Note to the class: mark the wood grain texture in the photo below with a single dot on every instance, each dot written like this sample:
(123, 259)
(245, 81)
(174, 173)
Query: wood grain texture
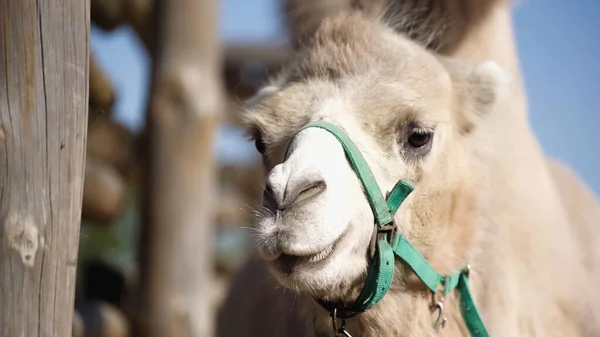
(44, 55)
(179, 206)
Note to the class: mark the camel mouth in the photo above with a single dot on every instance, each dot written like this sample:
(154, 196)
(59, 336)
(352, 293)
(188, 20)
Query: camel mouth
(287, 263)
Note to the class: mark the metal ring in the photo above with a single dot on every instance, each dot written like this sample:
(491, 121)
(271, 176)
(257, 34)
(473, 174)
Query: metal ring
(334, 321)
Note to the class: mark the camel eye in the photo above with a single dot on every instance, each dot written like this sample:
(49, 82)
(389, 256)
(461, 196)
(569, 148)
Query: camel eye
(415, 142)
(419, 138)
(259, 143)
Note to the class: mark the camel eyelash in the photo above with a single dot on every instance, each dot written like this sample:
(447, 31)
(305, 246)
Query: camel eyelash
(421, 131)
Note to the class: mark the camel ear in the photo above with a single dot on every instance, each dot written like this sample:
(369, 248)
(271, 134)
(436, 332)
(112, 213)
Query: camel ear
(479, 88)
(262, 94)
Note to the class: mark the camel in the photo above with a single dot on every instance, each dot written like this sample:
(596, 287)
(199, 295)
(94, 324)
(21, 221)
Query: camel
(523, 284)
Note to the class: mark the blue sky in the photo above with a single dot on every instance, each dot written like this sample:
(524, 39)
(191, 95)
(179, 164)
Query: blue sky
(559, 49)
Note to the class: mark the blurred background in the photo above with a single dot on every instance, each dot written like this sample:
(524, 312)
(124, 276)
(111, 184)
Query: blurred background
(560, 61)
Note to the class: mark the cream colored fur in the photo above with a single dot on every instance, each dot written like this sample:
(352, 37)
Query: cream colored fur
(484, 194)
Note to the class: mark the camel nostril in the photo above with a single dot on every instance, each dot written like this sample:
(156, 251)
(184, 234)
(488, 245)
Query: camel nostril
(281, 193)
(313, 189)
(304, 191)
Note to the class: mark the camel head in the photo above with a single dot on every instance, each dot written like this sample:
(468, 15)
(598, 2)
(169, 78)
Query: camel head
(413, 116)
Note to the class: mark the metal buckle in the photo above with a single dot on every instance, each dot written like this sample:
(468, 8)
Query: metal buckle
(389, 229)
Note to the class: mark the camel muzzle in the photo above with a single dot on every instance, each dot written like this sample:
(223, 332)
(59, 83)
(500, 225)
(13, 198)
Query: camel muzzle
(386, 244)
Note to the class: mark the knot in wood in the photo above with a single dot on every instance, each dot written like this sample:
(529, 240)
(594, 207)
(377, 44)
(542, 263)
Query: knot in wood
(23, 236)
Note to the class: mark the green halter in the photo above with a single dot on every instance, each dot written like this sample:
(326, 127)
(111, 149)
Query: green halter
(386, 243)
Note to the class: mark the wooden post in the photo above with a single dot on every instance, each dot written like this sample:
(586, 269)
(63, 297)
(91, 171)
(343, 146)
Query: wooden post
(183, 118)
(44, 67)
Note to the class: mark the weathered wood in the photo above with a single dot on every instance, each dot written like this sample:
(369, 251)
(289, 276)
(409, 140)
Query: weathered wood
(44, 55)
(183, 118)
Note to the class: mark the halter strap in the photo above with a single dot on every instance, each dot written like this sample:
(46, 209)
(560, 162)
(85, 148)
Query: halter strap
(388, 243)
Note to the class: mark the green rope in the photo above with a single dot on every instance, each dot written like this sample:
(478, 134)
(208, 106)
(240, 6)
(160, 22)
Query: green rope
(381, 268)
